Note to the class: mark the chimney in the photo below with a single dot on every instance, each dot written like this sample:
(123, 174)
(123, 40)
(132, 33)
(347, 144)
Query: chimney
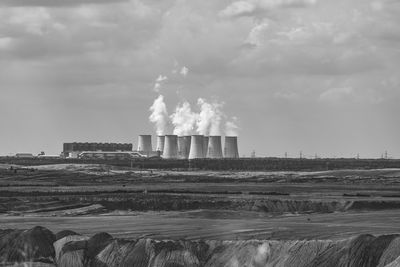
(144, 144)
(231, 147)
(205, 146)
(184, 146)
(160, 143)
(214, 147)
(170, 147)
(196, 147)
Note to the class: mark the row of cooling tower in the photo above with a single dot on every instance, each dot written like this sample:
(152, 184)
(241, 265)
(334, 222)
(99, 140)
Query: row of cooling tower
(190, 147)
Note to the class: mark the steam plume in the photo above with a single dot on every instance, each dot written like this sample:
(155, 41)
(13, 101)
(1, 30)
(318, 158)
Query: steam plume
(207, 121)
(159, 82)
(184, 71)
(216, 121)
(159, 115)
(210, 117)
(231, 127)
(183, 119)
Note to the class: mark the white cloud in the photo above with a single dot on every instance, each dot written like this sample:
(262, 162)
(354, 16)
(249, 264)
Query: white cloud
(238, 8)
(337, 94)
(256, 34)
(348, 93)
(249, 7)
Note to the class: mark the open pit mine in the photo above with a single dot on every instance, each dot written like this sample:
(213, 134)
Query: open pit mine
(41, 247)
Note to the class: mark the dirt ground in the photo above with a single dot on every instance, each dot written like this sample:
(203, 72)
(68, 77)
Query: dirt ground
(200, 205)
(223, 225)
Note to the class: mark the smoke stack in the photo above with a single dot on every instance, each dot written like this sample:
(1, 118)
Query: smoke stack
(205, 146)
(231, 147)
(214, 147)
(196, 147)
(160, 143)
(144, 144)
(170, 147)
(184, 146)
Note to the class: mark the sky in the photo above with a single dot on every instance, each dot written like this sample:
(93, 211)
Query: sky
(317, 76)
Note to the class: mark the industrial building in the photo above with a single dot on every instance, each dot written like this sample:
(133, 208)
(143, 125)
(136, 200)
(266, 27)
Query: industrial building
(188, 147)
(72, 150)
(196, 147)
(110, 155)
(160, 143)
(231, 147)
(214, 149)
(170, 147)
(184, 146)
(167, 146)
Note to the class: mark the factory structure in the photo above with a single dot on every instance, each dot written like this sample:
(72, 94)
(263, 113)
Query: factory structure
(167, 147)
(74, 150)
(189, 147)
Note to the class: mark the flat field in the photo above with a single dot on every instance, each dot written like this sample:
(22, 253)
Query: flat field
(200, 205)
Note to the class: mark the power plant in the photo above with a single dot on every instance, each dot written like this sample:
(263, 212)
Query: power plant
(144, 144)
(167, 146)
(231, 147)
(214, 150)
(184, 146)
(196, 147)
(170, 147)
(160, 143)
(205, 146)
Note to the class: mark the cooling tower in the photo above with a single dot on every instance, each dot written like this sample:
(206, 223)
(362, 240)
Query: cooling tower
(160, 143)
(214, 147)
(184, 146)
(144, 144)
(196, 147)
(231, 147)
(170, 147)
(205, 146)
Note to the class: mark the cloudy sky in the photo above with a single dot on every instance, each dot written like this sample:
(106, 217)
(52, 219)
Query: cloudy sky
(320, 76)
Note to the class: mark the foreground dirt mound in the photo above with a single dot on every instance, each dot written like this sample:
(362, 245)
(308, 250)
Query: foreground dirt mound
(40, 246)
(34, 245)
(364, 250)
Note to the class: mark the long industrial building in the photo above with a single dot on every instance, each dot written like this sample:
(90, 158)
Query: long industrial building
(72, 150)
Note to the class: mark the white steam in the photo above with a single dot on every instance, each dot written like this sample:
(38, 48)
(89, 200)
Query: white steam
(183, 119)
(217, 118)
(159, 115)
(209, 120)
(203, 122)
(231, 127)
(159, 82)
(210, 117)
(184, 71)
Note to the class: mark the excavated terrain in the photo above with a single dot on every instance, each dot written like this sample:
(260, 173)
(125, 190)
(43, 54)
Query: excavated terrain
(197, 218)
(41, 247)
